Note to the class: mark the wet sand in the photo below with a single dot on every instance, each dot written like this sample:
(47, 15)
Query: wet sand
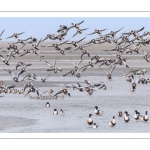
(20, 114)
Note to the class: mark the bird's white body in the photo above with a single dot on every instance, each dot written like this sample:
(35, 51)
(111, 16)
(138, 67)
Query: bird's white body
(90, 120)
(55, 112)
(126, 118)
(146, 117)
(47, 105)
(95, 126)
(136, 116)
(114, 121)
(96, 111)
(60, 111)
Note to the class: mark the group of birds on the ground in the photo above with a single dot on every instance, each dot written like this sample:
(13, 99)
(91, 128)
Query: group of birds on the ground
(112, 123)
(128, 42)
(55, 112)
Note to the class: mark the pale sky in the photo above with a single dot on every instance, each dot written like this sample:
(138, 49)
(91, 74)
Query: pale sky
(40, 27)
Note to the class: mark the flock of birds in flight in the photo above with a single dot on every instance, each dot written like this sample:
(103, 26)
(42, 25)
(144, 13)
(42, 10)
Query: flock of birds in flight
(128, 42)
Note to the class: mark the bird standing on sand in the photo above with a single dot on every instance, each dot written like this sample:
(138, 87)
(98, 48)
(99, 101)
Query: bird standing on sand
(113, 122)
(145, 118)
(90, 121)
(55, 112)
(95, 126)
(47, 104)
(98, 112)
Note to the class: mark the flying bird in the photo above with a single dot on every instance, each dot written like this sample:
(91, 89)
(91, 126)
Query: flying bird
(16, 35)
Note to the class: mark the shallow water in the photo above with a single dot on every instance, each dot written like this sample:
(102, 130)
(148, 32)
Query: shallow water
(21, 114)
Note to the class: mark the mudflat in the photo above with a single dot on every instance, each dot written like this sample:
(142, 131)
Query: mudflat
(21, 114)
